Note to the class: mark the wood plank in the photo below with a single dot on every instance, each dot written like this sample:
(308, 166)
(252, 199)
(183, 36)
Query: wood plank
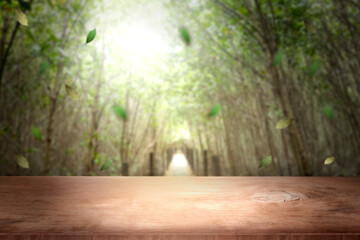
(242, 208)
(178, 237)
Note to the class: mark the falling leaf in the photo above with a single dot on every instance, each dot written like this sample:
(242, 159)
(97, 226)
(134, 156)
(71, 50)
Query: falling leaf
(329, 160)
(265, 162)
(91, 35)
(329, 112)
(277, 59)
(62, 2)
(71, 92)
(22, 161)
(214, 111)
(283, 123)
(185, 35)
(314, 67)
(37, 133)
(106, 165)
(44, 67)
(21, 17)
(120, 112)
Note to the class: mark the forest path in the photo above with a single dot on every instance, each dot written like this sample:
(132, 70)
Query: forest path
(179, 166)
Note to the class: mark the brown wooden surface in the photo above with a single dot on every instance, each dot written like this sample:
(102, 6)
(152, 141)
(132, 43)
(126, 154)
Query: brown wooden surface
(253, 208)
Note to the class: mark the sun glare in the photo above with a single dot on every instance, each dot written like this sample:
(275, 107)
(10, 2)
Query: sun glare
(179, 166)
(179, 161)
(139, 45)
(142, 41)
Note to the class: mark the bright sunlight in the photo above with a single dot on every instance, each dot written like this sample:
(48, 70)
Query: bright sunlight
(179, 166)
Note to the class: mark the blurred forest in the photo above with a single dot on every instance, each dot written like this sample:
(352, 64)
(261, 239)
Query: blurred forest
(250, 87)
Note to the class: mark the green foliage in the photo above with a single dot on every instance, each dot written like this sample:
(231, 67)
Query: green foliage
(277, 58)
(185, 35)
(120, 112)
(106, 165)
(44, 67)
(314, 67)
(329, 112)
(265, 162)
(214, 111)
(37, 133)
(91, 35)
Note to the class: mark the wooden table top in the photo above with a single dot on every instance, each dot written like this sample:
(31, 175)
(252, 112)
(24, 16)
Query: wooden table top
(179, 205)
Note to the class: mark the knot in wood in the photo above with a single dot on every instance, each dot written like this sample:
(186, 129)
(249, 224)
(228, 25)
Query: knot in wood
(275, 196)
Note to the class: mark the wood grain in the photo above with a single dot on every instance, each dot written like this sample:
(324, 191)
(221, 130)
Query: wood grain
(167, 208)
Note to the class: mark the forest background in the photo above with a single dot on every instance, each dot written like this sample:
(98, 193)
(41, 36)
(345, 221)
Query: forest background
(251, 87)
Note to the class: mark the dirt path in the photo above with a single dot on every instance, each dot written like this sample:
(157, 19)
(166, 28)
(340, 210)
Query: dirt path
(179, 166)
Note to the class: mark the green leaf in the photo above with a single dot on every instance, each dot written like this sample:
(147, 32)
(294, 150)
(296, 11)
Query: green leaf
(44, 67)
(283, 123)
(277, 58)
(329, 112)
(215, 110)
(185, 35)
(37, 133)
(106, 165)
(91, 35)
(265, 162)
(22, 161)
(314, 67)
(120, 112)
(329, 160)
(21, 17)
(71, 92)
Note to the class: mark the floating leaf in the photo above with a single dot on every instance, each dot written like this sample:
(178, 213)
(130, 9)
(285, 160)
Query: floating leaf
(215, 110)
(314, 67)
(22, 161)
(185, 35)
(91, 35)
(106, 165)
(44, 67)
(21, 17)
(329, 160)
(71, 92)
(283, 123)
(120, 112)
(37, 133)
(278, 57)
(329, 112)
(265, 162)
